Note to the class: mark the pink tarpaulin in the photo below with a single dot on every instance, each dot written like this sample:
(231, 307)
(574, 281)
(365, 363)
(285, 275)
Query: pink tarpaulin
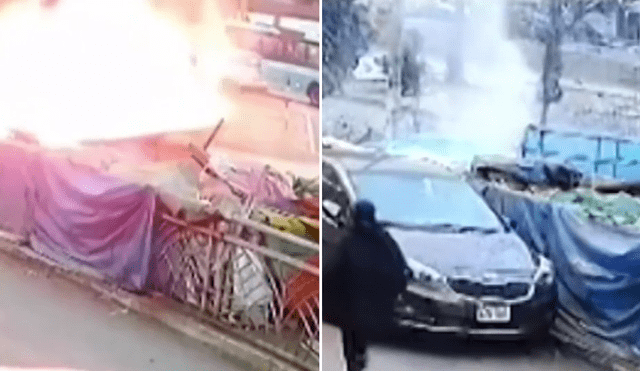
(14, 187)
(78, 216)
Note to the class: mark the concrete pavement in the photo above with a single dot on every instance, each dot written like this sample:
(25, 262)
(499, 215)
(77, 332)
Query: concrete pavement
(49, 322)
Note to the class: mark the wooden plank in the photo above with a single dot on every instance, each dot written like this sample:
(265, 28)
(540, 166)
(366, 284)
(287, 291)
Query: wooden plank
(213, 134)
(198, 155)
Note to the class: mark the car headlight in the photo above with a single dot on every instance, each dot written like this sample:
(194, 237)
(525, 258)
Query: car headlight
(426, 276)
(545, 274)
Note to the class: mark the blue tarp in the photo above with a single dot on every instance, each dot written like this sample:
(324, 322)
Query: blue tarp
(536, 172)
(598, 266)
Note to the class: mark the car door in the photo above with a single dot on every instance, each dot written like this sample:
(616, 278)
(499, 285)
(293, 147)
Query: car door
(336, 207)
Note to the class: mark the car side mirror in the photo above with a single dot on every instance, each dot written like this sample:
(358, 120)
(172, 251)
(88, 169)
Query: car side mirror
(331, 208)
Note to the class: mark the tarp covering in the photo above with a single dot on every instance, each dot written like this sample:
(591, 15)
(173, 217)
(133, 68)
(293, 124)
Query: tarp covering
(618, 209)
(77, 216)
(82, 217)
(598, 265)
(266, 185)
(14, 162)
(529, 172)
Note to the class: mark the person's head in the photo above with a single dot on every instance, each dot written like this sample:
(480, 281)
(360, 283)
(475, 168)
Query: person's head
(364, 214)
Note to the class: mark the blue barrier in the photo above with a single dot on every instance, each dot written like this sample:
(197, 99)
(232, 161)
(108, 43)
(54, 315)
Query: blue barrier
(598, 156)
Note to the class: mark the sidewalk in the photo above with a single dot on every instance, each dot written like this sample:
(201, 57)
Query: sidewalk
(251, 354)
(332, 359)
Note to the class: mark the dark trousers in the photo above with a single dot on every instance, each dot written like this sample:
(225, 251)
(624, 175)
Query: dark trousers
(355, 348)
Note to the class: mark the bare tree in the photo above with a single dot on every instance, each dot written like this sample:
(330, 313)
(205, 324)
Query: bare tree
(558, 27)
(552, 69)
(343, 42)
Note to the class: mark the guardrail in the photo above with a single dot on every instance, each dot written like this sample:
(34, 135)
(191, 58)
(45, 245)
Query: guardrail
(244, 274)
(248, 276)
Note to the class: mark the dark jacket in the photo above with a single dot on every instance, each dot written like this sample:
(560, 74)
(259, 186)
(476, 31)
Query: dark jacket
(362, 277)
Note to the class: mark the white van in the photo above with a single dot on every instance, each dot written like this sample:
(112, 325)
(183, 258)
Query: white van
(373, 67)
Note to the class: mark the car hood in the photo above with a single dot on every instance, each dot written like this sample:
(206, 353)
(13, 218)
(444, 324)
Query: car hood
(470, 255)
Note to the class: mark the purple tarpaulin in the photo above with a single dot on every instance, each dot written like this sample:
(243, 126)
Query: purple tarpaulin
(78, 216)
(14, 180)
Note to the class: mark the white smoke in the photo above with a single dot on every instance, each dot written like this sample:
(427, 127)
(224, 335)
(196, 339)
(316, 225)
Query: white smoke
(499, 97)
(95, 69)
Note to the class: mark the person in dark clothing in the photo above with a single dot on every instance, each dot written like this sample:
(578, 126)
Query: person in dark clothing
(362, 278)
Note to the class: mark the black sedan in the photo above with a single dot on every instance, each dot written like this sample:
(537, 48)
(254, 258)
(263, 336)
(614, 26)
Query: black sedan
(471, 273)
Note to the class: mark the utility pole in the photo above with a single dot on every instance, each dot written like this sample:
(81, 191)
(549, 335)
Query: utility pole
(552, 70)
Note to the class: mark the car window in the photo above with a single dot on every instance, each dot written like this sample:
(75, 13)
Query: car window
(412, 199)
(314, 55)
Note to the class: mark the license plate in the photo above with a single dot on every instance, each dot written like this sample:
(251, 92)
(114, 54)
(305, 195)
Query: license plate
(490, 313)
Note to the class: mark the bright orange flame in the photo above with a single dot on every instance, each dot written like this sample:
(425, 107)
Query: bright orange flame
(95, 69)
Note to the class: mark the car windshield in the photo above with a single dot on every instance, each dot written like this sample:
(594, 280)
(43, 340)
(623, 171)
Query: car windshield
(413, 200)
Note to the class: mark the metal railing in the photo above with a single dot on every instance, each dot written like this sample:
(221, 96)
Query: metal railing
(246, 275)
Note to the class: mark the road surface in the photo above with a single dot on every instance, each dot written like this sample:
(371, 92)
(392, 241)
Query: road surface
(48, 323)
(435, 353)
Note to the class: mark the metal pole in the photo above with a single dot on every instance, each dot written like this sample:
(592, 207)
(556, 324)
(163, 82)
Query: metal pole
(312, 134)
(394, 101)
(206, 287)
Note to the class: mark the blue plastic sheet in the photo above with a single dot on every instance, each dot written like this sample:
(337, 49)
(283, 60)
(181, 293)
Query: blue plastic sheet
(597, 265)
(536, 172)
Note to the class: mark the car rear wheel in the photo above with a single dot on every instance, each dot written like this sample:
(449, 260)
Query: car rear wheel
(313, 92)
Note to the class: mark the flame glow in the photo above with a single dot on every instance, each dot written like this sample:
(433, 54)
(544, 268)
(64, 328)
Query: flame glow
(95, 69)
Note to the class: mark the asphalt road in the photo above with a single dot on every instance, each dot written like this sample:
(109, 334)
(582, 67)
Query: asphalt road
(49, 323)
(430, 352)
